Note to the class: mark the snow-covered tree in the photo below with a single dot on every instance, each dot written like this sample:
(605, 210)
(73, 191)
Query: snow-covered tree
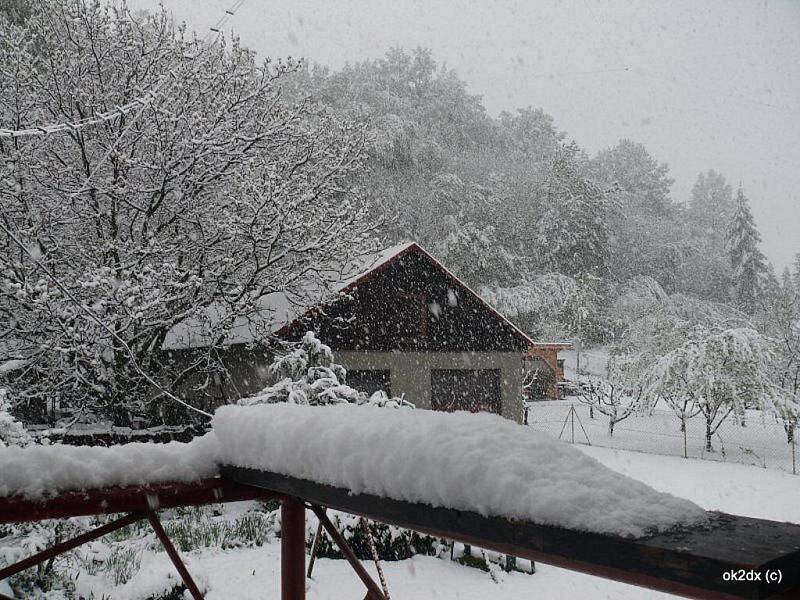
(718, 373)
(217, 193)
(704, 269)
(779, 318)
(647, 237)
(711, 206)
(308, 374)
(796, 273)
(573, 231)
(749, 265)
(617, 402)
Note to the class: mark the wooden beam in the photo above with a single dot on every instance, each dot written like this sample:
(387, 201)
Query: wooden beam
(293, 549)
(691, 562)
(139, 499)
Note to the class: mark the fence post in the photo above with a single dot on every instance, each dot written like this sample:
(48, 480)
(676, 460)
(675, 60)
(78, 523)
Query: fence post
(293, 549)
(572, 411)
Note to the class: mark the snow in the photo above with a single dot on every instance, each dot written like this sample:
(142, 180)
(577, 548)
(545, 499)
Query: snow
(35, 471)
(442, 459)
(13, 365)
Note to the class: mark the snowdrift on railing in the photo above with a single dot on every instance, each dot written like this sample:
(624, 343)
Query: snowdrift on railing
(477, 462)
(37, 471)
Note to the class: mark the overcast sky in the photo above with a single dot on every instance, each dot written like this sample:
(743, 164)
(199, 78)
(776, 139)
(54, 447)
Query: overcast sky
(702, 84)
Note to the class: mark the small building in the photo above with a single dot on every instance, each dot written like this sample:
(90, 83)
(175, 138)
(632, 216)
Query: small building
(544, 370)
(404, 324)
(409, 326)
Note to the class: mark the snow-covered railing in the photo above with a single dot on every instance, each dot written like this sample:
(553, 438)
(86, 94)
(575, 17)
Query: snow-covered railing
(477, 479)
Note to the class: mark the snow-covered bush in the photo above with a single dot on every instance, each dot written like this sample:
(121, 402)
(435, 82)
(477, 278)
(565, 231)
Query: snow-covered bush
(12, 432)
(391, 543)
(308, 375)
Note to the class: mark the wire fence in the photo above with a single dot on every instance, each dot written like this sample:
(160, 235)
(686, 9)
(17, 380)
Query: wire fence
(759, 441)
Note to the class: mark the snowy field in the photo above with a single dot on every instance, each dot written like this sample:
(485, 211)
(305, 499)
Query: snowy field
(762, 442)
(253, 573)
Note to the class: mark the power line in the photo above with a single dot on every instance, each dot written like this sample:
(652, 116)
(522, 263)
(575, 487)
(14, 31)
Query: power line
(81, 123)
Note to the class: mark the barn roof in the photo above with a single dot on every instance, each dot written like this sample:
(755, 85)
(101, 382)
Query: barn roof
(279, 312)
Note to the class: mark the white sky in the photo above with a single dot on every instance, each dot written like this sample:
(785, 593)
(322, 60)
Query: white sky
(702, 84)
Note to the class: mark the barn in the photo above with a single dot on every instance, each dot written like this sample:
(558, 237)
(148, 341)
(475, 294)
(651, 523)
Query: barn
(405, 324)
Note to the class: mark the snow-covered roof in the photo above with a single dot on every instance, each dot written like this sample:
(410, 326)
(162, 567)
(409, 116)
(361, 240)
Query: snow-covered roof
(278, 311)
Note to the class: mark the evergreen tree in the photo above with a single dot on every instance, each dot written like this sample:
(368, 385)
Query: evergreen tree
(796, 274)
(711, 206)
(748, 263)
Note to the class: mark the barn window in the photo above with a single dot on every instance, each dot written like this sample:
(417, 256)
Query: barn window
(369, 381)
(466, 389)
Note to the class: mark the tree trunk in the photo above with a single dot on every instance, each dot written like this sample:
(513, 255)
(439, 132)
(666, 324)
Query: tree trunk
(611, 423)
(708, 436)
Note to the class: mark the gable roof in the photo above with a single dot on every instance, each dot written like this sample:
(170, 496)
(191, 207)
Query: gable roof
(279, 314)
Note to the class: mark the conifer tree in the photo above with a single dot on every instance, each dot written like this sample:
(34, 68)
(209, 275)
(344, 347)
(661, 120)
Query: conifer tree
(796, 273)
(749, 265)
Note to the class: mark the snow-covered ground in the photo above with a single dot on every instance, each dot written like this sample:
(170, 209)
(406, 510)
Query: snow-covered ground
(762, 442)
(253, 573)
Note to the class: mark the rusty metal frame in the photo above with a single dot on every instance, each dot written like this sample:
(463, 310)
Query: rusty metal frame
(374, 591)
(138, 502)
(63, 547)
(89, 536)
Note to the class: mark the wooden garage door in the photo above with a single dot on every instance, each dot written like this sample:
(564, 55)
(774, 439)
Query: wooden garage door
(462, 389)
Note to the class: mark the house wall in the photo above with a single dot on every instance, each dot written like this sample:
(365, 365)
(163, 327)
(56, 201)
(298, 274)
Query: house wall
(410, 372)
(549, 354)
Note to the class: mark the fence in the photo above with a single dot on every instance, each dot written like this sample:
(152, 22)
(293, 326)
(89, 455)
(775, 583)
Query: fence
(761, 441)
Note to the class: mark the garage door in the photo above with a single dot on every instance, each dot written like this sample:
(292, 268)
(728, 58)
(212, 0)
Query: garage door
(462, 389)
(369, 381)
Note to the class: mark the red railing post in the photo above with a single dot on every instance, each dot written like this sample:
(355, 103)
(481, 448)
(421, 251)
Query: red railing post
(293, 549)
